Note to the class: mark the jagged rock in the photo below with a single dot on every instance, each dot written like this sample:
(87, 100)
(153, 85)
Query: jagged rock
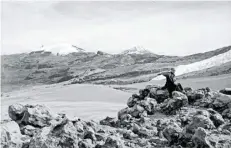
(216, 117)
(100, 137)
(158, 142)
(210, 139)
(226, 91)
(25, 141)
(222, 102)
(16, 111)
(171, 105)
(10, 135)
(200, 119)
(129, 135)
(226, 126)
(113, 142)
(158, 94)
(199, 138)
(123, 113)
(142, 142)
(132, 101)
(193, 96)
(61, 134)
(204, 102)
(137, 111)
(108, 121)
(185, 115)
(227, 113)
(89, 135)
(149, 105)
(29, 130)
(172, 133)
(85, 143)
(79, 125)
(143, 132)
(37, 115)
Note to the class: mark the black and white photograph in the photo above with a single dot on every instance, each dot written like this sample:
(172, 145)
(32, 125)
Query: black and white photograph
(115, 74)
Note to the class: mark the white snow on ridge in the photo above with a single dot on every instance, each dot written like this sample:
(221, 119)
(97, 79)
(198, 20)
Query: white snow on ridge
(136, 50)
(200, 65)
(61, 49)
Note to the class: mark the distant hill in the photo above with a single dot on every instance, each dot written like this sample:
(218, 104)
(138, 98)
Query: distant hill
(76, 65)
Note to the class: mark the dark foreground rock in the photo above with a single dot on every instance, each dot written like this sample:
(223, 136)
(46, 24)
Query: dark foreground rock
(195, 118)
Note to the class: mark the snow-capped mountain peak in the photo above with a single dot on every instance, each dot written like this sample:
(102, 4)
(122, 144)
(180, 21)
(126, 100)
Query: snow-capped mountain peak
(136, 50)
(62, 49)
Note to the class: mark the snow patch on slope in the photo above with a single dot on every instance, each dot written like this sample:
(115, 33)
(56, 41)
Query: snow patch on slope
(136, 50)
(200, 65)
(62, 49)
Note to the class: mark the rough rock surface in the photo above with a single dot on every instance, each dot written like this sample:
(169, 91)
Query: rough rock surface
(171, 105)
(197, 118)
(10, 135)
(16, 112)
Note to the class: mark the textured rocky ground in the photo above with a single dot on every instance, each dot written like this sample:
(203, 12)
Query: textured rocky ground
(195, 118)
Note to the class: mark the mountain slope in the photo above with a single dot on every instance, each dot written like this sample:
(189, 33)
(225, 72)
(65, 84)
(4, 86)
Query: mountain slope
(214, 61)
(41, 67)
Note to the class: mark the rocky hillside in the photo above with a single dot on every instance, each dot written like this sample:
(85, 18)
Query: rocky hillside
(196, 118)
(131, 66)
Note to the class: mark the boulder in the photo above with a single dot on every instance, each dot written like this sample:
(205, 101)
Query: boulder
(149, 105)
(123, 113)
(108, 121)
(10, 135)
(127, 134)
(158, 94)
(226, 91)
(216, 117)
(16, 111)
(199, 138)
(193, 96)
(172, 133)
(204, 102)
(90, 135)
(227, 113)
(158, 142)
(222, 102)
(113, 142)
(79, 125)
(85, 143)
(210, 139)
(137, 111)
(37, 115)
(132, 101)
(200, 119)
(171, 105)
(29, 130)
(62, 134)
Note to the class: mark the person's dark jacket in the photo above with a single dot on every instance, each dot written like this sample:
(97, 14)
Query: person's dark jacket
(170, 80)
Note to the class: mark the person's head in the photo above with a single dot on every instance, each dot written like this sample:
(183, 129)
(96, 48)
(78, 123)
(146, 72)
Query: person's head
(173, 70)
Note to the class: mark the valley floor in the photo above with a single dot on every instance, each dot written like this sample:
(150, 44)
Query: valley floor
(94, 102)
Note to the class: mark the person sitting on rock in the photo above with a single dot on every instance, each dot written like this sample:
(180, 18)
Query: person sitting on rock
(170, 82)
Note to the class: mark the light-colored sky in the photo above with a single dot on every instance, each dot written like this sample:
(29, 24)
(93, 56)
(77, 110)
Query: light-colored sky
(173, 28)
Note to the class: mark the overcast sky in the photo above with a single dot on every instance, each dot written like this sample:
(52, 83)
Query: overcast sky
(173, 28)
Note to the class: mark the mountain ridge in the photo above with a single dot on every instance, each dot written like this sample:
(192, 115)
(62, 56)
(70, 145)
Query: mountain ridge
(46, 68)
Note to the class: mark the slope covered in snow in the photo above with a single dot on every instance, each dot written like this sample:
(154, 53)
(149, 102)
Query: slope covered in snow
(62, 49)
(201, 65)
(136, 50)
